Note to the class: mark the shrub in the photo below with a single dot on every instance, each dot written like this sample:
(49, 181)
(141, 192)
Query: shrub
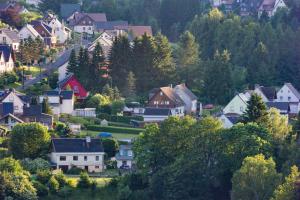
(110, 146)
(72, 183)
(53, 185)
(4, 153)
(35, 165)
(84, 181)
(65, 192)
(61, 178)
(41, 189)
(111, 164)
(43, 176)
(75, 170)
(10, 165)
(114, 129)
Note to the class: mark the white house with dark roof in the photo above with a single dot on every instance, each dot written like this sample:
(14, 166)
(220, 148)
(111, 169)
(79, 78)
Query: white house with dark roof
(10, 37)
(85, 153)
(9, 121)
(28, 31)
(190, 100)
(124, 157)
(105, 40)
(237, 105)
(283, 107)
(270, 7)
(229, 120)
(7, 58)
(61, 102)
(288, 93)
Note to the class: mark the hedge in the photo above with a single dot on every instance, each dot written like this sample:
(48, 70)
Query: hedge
(122, 119)
(115, 129)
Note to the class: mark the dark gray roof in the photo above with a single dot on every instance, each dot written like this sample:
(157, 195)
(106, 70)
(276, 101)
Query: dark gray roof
(65, 94)
(67, 9)
(6, 51)
(269, 92)
(279, 105)
(32, 110)
(4, 6)
(110, 25)
(157, 111)
(233, 119)
(76, 145)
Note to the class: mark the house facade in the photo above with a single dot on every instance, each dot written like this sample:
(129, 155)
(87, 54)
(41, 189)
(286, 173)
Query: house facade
(45, 31)
(28, 31)
(106, 42)
(7, 58)
(72, 83)
(9, 121)
(270, 7)
(15, 98)
(85, 153)
(61, 102)
(237, 105)
(124, 157)
(10, 37)
(189, 99)
(288, 93)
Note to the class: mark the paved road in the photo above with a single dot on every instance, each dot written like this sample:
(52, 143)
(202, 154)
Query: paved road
(62, 58)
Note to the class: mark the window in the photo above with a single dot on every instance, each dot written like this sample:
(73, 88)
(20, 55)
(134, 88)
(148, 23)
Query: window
(167, 102)
(97, 167)
(83, 22)
(75, 158)
(83, 28)
(62, 158)
(288, 91)
(241, 109)
(90, 28)
(281, 97)
(85, 158)
(4, 40)
(97, 158)
(161, 93)
(289, 98)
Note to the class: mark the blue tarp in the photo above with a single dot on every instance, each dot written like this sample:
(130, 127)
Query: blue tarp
(105, 134)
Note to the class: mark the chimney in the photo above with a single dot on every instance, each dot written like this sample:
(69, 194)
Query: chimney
(171, 86)
(88, 141)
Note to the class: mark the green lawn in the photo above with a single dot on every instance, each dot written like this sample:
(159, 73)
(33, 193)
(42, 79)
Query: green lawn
(33, 70)
(115, 135)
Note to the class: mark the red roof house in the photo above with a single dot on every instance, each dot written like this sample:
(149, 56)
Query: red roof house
(71, 82)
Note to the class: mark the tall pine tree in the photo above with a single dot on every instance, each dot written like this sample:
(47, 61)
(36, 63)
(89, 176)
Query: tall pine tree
(130, 89)
(95, 81)
(256, 110)
(72, 65)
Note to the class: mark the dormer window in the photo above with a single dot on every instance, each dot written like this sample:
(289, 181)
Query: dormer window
(161, 93)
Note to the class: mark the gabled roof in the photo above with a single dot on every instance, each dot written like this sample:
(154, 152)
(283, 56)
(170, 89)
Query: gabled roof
(243, 97)
(267, 5)
(13, 35)
(65, 80)
(67, 9)
(6, 50)
(157, 111)
(12, 116)
(279, 105)
(32, 110)
(293, 89)
(65, 94)
(110, 25)
(47, 29)
(76, 145)
(188, 92)
(31, 30)
(170, 93)
(97, 17)
(4, 6)
(269, 92)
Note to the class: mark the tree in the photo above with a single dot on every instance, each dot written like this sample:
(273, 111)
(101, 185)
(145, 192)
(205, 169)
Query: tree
(73, 64)
(130, 89)
(95, 81)
(218, 78)
(288, 190)
(83, 66)
(187, 55)
(29, 140)
(256, 110)
(256, 179)
(46, 107)
(120, 57)
(117, 106)
(110, 146)
(54, 5)
(84, 180)
(10, 165)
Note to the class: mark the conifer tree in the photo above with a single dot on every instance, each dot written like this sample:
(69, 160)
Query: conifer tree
(120, 60)
(46, 107)
(72, 65)
(256, 110)
(95, 80)
(130, 89)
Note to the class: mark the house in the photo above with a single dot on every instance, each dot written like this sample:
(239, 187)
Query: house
(166, 97)
(33, 113)
(28, 31)
(237, 105)
(229, 120)
(67, 9)
(60, 101)
(124, 157)
(71, 82)
(268, 94)
(135, 31)
(187, 96)
(283, 107)
(288, 93)
(45, 31)
(156, 114)
(109, 26)
(85, 112)
(12, 96)
(61, 32)
(85, 153)
(10, 37)
(7, 58)
(85, 22)
(106, 42)
(133, 108)
(270, 7)
(6, 108)
(9, 121)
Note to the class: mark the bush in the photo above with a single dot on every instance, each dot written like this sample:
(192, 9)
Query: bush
(110, 146)
(41, 189)
(4, 153)
(35, 165)
(84, 181)
(75, 170)
(43, 176)
(111, 164)
(61, 178)
(53, 185)
(114, 129)
(65, 192)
